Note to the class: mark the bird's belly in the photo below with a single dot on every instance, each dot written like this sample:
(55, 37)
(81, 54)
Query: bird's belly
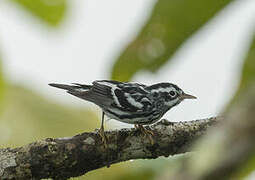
(136, 120)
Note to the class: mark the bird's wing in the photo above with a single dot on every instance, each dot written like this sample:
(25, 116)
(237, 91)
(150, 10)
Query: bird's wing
(132, 97)
(98, 93)
(106, 93)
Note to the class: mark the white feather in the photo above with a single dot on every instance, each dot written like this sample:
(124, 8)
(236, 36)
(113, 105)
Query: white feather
(132, 101)
(113, 88)
(172, 102)
(163, 89)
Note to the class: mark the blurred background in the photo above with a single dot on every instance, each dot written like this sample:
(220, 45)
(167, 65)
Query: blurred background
(199, 45)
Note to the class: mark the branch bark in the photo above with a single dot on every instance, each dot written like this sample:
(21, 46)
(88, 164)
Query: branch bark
(67, 157)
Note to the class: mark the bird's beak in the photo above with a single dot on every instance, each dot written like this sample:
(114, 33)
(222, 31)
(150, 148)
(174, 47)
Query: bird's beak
(187, 96)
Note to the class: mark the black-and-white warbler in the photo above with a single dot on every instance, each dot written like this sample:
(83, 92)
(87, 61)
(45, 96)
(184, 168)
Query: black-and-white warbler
(131, 103)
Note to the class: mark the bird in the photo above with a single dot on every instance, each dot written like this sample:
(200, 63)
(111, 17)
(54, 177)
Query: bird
(129, 102)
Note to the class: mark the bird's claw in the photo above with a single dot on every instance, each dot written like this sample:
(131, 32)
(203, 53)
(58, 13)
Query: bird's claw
(146, 132)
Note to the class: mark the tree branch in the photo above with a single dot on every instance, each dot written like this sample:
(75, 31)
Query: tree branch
(62, 158)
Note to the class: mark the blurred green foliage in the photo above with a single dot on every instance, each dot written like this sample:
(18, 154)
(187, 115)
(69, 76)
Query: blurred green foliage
(2, 85)
(136, 170)
(247, 80)
(50, 11)
(137, 175)
(248, 72)
(247, 169)
(120, 171)
(28, 117)
(150, 169)
(171, 23)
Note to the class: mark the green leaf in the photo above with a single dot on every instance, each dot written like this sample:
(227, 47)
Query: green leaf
(50, 11)
(170, 24)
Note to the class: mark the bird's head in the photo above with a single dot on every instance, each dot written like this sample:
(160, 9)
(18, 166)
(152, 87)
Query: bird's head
(170, 93)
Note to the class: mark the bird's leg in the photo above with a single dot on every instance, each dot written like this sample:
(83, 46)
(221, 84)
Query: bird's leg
(146, 132)
(101, 132)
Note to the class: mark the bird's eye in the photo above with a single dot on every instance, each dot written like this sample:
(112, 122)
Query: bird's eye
(172, 93)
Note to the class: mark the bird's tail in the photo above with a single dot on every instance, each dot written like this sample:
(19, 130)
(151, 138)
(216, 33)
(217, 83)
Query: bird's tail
(71, 88)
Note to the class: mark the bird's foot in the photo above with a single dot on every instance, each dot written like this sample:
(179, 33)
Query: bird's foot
(148, 133)
(103, 137)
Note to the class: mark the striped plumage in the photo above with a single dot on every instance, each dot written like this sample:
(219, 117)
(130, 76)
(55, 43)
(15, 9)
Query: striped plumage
(131, 103)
